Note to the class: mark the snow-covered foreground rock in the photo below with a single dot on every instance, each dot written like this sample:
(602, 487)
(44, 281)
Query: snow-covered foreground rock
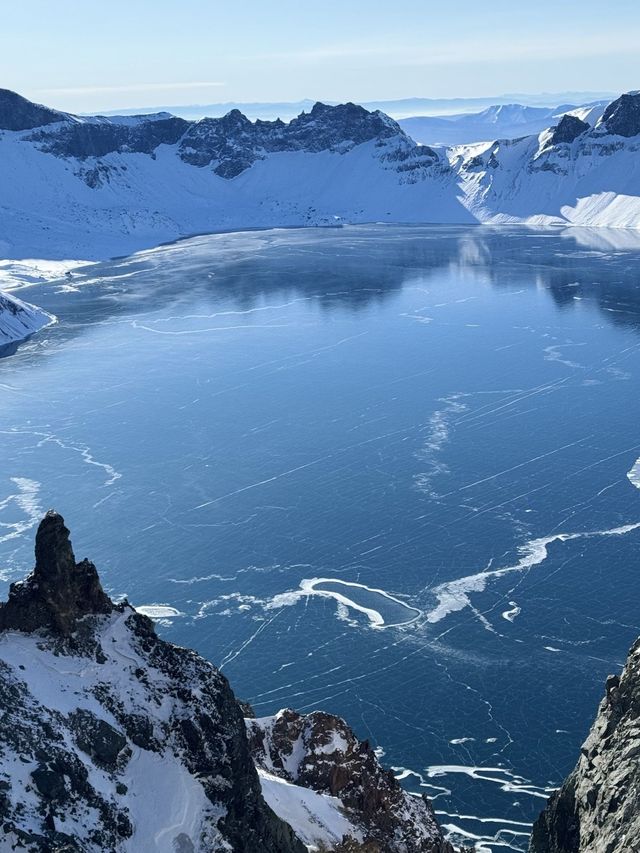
(354, 795)
(90, 188)
(114, 740)
(19, 319)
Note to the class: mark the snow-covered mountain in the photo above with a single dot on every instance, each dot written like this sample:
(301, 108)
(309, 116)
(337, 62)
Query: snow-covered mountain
(88, 188)
(499, 121)
(572, 173)
(19, 319)
(94, 187)
(114, 740)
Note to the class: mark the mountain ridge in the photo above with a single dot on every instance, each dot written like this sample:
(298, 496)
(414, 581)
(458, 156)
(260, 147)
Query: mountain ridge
(90, 188)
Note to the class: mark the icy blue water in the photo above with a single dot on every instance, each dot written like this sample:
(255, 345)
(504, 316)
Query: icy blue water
(380, 471)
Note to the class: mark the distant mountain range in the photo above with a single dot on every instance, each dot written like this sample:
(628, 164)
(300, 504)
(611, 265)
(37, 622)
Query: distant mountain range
(499, 121)
(92, 187)
(399, 108)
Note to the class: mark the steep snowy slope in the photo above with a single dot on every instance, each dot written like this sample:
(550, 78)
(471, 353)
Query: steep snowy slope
(19, 319)
(573, 173)
(320, 753)
(114, 741)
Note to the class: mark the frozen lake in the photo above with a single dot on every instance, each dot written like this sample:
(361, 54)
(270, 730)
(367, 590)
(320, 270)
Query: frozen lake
(387, 472)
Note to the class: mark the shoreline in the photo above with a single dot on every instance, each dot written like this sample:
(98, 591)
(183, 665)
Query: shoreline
(24, 272)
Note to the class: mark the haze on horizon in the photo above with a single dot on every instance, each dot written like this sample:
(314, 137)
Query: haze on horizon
(88, 57)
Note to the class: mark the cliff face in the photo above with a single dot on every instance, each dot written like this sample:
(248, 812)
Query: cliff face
(112, 739)
(597, 810)
(321, 753)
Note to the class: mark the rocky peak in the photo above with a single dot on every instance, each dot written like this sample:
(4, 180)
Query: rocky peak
(349, 121)
(597, 810)
(17, 113)
(59, 591)
(568, 128)
(232, 144)
(320, 752)
(622, 116)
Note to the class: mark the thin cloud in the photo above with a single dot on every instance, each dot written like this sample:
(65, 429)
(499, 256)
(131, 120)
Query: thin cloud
(136, 87)
(464, 51)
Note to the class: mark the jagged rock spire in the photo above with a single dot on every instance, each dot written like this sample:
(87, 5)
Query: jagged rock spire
(59, 591)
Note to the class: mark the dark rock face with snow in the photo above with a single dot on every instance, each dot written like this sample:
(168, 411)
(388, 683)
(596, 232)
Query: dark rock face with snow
(320, 752)
(233, 143)
(597, 810)
(108, 735)
(99, 138)
(229, 145)
(569, 128)
(17, 113)
(113, 740)
(622, 116)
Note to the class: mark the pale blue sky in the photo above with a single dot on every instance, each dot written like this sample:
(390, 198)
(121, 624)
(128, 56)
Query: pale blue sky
(86, 55)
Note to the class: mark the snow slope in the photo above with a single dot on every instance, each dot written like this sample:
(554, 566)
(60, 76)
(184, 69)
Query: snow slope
(147, 200)
(592, 180)
(175, 805)
(19, 319)
(317, 819)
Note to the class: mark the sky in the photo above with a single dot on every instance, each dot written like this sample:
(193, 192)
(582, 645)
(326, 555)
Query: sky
(85, 55)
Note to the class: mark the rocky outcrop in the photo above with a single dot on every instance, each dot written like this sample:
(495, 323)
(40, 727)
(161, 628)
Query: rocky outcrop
(17, 113)
(231, 144)
(597, 810)
(99, 138)
(567, 130)
(59, 591)
(320, 752)
(108, 734)
(112, 739)
(622, 116)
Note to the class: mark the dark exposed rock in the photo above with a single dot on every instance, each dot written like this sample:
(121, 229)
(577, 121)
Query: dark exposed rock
(320, 751)
(97, 738)
(597, 810)
(17, 113)
(59, 592)
(151, 698)
(99, 138)
(231, 144)
(622, 117)
(568, 129)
